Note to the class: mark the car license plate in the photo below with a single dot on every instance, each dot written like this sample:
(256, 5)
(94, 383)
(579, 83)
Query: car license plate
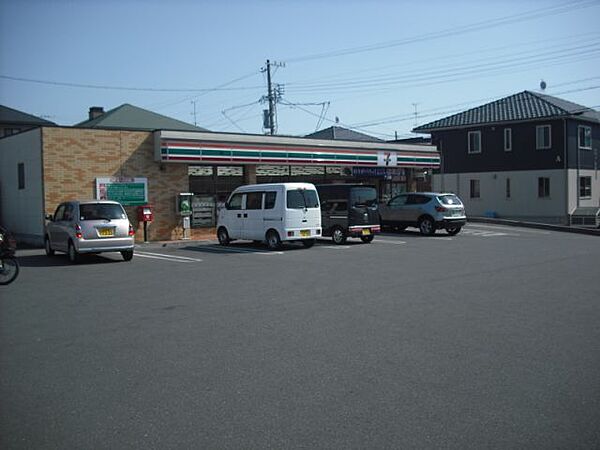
(366, 231)
(305, 233)
(106, 232)
(457, 213)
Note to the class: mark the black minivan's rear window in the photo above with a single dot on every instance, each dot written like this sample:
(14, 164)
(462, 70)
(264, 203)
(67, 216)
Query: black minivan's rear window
(302, 198)
(99, 211)
(363, 196)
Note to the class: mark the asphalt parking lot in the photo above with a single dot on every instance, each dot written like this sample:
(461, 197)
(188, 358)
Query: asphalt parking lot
(487, 339)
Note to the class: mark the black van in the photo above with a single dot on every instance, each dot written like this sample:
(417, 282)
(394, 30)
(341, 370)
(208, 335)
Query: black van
(349, 210)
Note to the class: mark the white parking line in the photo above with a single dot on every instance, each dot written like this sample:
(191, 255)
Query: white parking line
(173, 258)
(519, 229)
(386, 241)
(337, 247)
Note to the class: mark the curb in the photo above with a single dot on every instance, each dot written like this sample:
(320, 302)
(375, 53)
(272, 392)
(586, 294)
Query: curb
(543, 226)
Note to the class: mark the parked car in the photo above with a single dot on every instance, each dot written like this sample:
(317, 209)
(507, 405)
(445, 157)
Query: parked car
(273, 213)
(427, 211)
(349, 210)
(95, 226)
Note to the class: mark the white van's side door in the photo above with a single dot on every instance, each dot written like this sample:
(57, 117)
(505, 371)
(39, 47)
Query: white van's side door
(233, 216)
(253, 217)
(273, 211)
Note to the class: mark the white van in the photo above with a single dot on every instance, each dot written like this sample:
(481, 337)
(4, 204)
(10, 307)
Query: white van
(273, 213)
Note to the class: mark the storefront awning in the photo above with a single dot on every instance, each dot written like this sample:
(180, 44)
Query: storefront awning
(219, 148)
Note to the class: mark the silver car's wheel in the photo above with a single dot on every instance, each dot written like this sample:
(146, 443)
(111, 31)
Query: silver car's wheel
(48, 247)
(426, 226)
(72, 253)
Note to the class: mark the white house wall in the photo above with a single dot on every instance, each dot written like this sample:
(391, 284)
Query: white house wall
(21, 210)
(594, 200)
(523, 203)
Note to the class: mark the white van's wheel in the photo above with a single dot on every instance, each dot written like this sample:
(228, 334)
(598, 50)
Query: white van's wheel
(273, 240)
(223, 236)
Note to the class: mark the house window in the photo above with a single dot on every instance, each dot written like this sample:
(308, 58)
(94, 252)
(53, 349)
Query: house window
(474, 191)
(585, 137)
(508, 188)
(543, 187)
(508, 139)
(474, 141)
(21, 175)
(542, 137)
(585, 187)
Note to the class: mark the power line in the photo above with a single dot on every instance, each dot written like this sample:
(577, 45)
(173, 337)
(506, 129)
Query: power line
(443, 73)
(484, 25)
(130, 88)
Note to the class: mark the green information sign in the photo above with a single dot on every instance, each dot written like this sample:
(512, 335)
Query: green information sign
(127, 194)
(126, 191)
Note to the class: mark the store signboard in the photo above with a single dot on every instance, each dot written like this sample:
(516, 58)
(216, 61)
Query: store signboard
(378, 172)
(126, 190)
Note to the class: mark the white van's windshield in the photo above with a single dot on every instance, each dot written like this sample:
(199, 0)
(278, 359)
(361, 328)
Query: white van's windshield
(302, 198)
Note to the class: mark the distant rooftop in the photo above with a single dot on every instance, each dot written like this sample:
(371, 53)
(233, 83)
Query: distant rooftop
(523, 106)
(128, 116)
(342, 134)
(12, 116)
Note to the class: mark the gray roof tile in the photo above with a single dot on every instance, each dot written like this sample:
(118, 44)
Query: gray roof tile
(523, 106)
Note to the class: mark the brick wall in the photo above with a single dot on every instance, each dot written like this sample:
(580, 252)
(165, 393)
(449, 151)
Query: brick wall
(74, 158)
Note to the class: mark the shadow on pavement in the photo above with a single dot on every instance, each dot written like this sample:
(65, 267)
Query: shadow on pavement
(62, 260)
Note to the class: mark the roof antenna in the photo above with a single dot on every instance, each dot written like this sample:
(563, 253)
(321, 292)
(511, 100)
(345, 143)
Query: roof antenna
(543, 85)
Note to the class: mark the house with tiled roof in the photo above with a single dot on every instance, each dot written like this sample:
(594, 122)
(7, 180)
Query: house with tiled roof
(342, 134)
(132, 117)
(13, 121)
(528, 156)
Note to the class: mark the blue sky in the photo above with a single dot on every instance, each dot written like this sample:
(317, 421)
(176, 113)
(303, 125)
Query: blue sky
(371, 64)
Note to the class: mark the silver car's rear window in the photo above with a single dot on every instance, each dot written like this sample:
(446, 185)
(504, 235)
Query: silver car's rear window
(99, 211)
(449, 200)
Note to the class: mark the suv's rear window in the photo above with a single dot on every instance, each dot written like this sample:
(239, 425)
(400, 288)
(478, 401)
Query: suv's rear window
(449, 200)
(99, 211)
(302, 198)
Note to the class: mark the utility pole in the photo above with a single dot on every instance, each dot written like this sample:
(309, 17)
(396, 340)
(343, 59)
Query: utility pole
(273, 95)
(271, 99)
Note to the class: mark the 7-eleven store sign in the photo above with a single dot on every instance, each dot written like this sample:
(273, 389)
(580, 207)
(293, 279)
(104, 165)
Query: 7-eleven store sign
(251, 149)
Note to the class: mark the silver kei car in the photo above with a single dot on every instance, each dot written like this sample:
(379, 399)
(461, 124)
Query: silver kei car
(427, 211)
(94, 226)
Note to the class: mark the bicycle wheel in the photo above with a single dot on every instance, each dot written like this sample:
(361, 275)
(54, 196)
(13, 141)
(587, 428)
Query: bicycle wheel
(9, 269)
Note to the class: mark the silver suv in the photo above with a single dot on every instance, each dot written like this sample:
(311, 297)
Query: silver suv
(89, 227)
(427, 211)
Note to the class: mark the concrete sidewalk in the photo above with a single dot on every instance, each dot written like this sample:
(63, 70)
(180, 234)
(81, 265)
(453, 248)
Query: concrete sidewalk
(543, 226)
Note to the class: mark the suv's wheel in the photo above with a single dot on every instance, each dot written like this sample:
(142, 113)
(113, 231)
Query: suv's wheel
(427, 226)
(338, 236)
(452, 230)
(127, 255)
(48, 247)
(223, 236)
(273, 240)
(72, 253)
